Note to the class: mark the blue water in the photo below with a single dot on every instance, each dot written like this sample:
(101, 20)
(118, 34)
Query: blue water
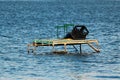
(23, 21)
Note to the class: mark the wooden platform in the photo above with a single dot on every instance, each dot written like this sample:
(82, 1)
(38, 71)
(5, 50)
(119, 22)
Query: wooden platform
(57, 42)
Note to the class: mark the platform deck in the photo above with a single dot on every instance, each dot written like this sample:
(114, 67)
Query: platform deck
(64, 42)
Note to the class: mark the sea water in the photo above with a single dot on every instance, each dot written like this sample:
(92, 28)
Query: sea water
(23, 21)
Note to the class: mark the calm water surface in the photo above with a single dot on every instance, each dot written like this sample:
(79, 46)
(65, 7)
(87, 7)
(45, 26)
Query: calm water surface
(23, 21)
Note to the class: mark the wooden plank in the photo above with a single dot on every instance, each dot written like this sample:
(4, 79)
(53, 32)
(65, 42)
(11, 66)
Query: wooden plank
(67, 42)
(64, 42)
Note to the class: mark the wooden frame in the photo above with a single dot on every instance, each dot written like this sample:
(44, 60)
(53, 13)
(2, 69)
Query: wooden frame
(64, 42)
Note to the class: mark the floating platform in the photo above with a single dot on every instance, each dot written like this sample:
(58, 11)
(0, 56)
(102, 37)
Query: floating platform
(62, 42)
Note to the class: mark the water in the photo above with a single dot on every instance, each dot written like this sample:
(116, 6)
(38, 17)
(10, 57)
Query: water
(23, 21)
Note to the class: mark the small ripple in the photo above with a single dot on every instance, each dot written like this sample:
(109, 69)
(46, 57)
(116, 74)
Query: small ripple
(111, 77)
(7, 59)
(6, 36)
(112, 62)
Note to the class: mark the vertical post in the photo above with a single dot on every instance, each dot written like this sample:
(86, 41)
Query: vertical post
(80, 49)
(33, 51)
(65, 48)
(53, 47)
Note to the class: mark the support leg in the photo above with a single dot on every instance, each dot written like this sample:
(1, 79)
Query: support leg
(80, 49)
(65, 47)
(53, 47)
(95, 49)
(75, 48)
(29, 48)
(34, 49)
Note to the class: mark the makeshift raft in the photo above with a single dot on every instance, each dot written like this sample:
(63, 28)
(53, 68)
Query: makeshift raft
(64, 42)
(76, 37)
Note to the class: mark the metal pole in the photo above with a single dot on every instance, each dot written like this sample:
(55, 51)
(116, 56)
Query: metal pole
(80, 49)
(75, 48)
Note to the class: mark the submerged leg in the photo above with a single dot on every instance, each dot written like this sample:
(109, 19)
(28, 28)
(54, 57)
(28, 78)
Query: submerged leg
(97, 50)
(80, 49)
(34, 49)
(65, 48)
(75, 48)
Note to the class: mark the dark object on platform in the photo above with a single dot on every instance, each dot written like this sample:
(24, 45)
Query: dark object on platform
(78, 32)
